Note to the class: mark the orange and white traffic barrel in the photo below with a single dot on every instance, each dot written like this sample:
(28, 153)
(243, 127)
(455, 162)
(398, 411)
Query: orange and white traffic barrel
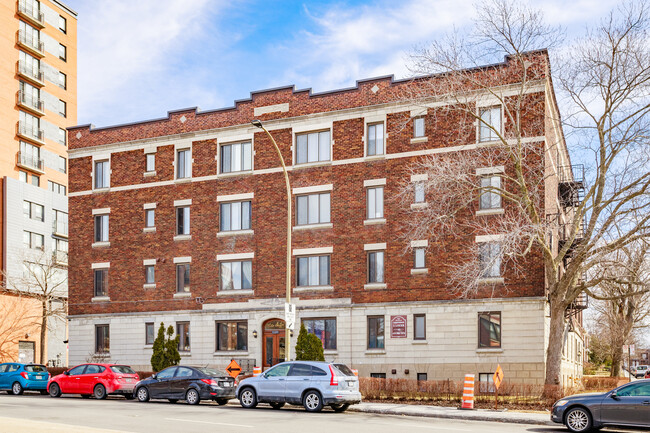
(468, 392)
(257, 371)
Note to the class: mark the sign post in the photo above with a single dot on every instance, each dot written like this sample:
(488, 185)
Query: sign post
(497, 378)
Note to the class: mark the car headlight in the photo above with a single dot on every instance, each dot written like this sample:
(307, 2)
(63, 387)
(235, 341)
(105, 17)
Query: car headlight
(561, 402)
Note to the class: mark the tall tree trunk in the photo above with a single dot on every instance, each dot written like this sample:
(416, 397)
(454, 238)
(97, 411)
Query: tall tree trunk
(555, 344)
(43, 330)
(617, 357)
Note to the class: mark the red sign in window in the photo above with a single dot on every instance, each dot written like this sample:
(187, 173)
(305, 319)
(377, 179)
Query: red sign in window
(397, 326)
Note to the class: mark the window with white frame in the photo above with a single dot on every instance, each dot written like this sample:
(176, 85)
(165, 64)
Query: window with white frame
(54, 187)
(375, 202)
(33, 240)
(183, 164)
(490, 198)
(313, 209)
(150, 162)
(183, 220)
(375, 267)
(150, 274)
(490, 259)
(63, 52)
(63, 80)
(60, 222)
(102, 173)
(313, 147)
(237, 275)
(490, 124)
(62, 136)
(313, 271)
(375, 139)
(418, 127)
(34, 211)
(30, 125)
(236, 157)
(419, 258)
(30, 155)
(63, 164)
(183, 278)
(63, 108)
(150, 218)
(419, 196)
(235, 216)
(101, 228)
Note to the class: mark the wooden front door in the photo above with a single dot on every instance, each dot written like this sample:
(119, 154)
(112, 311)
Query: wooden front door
(273, 343)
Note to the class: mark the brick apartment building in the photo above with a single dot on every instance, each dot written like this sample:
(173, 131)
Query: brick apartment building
(182, 220)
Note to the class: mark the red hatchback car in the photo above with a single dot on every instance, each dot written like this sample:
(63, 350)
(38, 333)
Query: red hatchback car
(97, 380)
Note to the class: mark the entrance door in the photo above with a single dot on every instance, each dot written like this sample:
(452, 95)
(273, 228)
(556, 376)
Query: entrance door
(273, 344)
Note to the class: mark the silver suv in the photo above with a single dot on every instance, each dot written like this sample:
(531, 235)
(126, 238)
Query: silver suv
(308, 383)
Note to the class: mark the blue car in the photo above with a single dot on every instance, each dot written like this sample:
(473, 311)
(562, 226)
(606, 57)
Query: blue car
(16, 378)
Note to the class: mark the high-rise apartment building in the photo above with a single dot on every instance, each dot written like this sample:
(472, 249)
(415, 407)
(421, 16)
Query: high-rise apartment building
(38, 101)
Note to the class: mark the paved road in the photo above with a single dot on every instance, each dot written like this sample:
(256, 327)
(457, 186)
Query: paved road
(71, 414)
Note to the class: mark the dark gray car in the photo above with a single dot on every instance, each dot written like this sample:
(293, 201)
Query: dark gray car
(628, 406)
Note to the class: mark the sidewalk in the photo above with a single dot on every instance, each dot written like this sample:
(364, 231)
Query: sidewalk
(454, 413)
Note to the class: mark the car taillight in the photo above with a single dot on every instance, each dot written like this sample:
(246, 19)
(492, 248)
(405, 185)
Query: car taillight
(137, 377)
(334, 381)
(209, 381)
(24, 375)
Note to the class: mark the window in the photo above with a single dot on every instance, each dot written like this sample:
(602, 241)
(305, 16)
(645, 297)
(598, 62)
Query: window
(63, 108)
(22, 176)
(278, 371)
(63, 80)
(63, 52)
(235, 216)
(30, 125)
(61, 246)
(418, 127)
(102, 173)
(101, 228)
(149, 334)
(36, 180)
(237, 275)
(55, 187)
(183, 278)
(29, 35)
(183, 164)
(60, 222)
(150, 162)
(101, 282)
(490, 259)
(236, 157)
(183, 332)
(33, 211)
(33, 240)
(489, 196)
(30, 95)
(232, 336)
(489, 329)
(378, 375)
(313, 147)
(375, 202)
(150, 274)
(422, 377)
(30, 156)
(313, 271)
(376, 139)
(325, 329)
(418, 258)
(313, 209)
(183, 220)
(150, 217)
(375, 332)
(63, 165)
(486, 382)
(419, 192)
(63, 24)
(419, 327)
(490, 124)
(376, 267)
(30, 65)
(62, 136)
(102, 339)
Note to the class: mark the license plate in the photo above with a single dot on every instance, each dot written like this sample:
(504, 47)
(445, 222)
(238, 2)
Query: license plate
(39, 377)
(128, 379)
(226, 384)
(350, 383)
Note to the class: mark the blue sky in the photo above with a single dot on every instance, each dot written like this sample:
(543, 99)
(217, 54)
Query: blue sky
(138, 60)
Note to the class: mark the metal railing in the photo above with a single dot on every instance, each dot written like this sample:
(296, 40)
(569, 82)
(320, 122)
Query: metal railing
(30, 161)
(27, 8)
(30, 131)
(29, 40)
(28, 99)
(29, 71)
(60, 227)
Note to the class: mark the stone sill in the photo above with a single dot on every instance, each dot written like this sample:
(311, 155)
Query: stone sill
(101, 190)
(234, 174)
(374, 286)
(183, 180)
(234, 292)
(184, 354)
(419, 205)
(313, 226)
(149, 286)
(375, 351)
(417, 271)
(231, 353)
(101, 244)
(421, 342)
(182, 295)
(182, 237)
(330, 352)
(149, 173)
(490, 350)
(149, 230)
(235, 233)
(489, 212)
(313, 289)
(100, 299)
(312, 164)
(374, 221)
(419, 140)
(374, 157)
(496, 280)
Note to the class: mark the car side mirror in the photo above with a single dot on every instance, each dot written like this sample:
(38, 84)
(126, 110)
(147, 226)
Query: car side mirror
(154, 376)
(614, 395)
(67, 372)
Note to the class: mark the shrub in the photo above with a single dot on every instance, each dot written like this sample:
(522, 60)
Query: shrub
(165, 349)
(308, 347)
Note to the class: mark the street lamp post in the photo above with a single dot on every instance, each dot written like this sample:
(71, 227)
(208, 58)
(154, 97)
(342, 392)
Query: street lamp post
(287, 331)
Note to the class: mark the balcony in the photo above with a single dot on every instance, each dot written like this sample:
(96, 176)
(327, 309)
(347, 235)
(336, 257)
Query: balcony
(31, 162)
(31, 103)
(27, 11)
(571, 186)
(31, 133)
(60, 258)
(31, 74)
(60, 228)
(30, 43)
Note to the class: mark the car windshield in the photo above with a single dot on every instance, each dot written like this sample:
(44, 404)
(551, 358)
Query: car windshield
(122, 369)
(35, 368)
(210, 371)
(344, 369)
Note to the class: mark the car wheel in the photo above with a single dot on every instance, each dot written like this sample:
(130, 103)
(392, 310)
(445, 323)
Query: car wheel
(17, 388)
(313, 402)
(142, 394)
(340, 407)
(55, 390)
(99, 392)
(248, 398)
(192, 396)
(222, 401)
(172, 400)
(277, 405)
(578, 420)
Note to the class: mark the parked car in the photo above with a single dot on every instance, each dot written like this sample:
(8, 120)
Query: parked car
(191, 384)
(16, 378)
(640, 371)
(647, 374)
(307, 383)
(626, 406)
(98, 380)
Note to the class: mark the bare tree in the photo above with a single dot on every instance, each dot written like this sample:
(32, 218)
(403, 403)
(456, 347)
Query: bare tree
(19, 318)
(44, 278)
(604, 83)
